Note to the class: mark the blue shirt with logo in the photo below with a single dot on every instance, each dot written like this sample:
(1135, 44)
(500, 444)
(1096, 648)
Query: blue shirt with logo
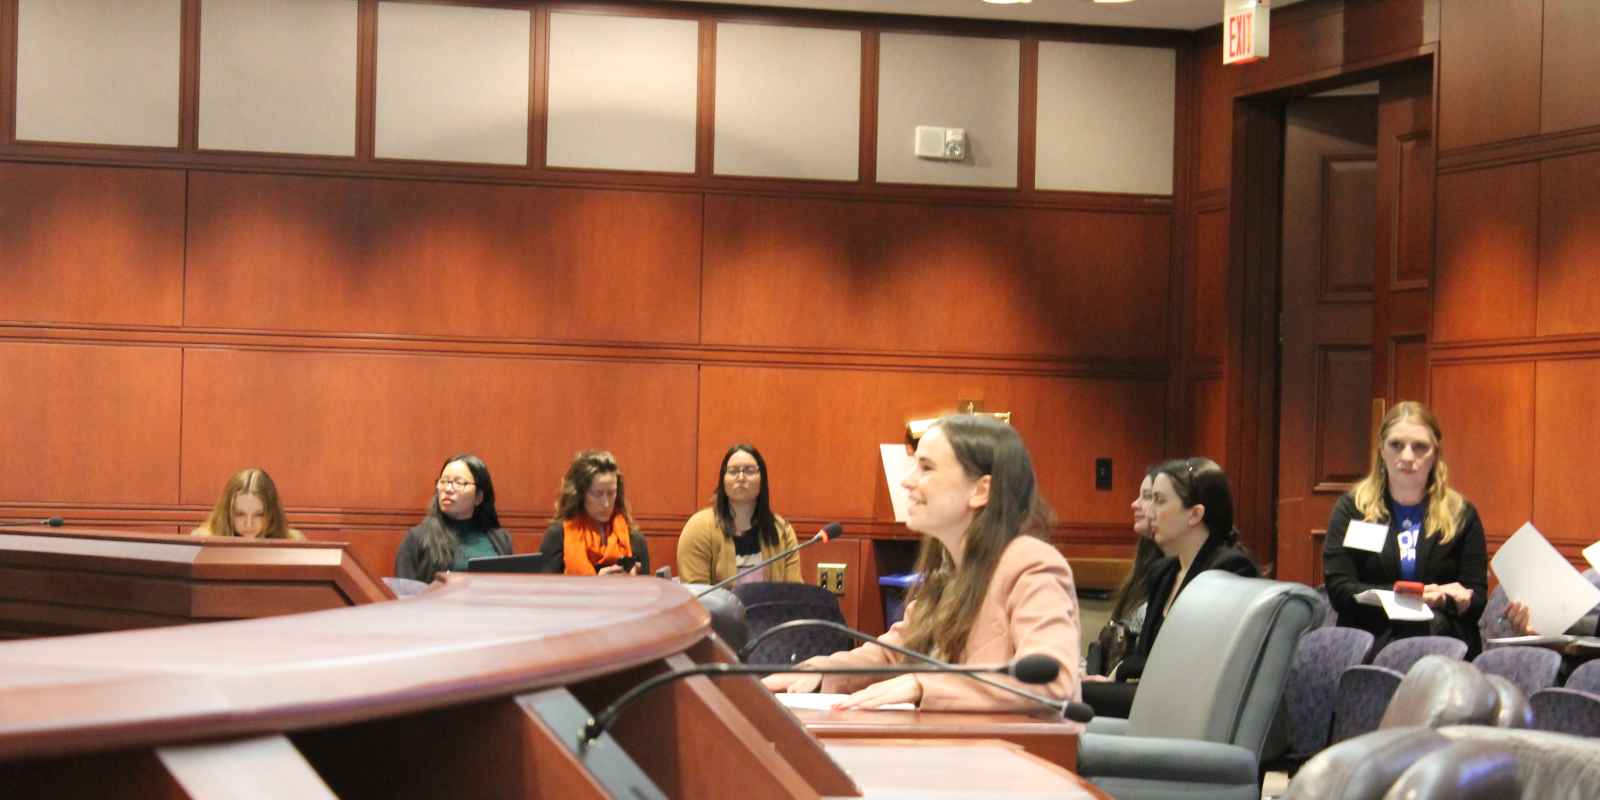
(1408, 531)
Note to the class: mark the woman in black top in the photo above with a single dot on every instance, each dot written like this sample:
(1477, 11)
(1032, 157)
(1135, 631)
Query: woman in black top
(594, 532)
(461, 523)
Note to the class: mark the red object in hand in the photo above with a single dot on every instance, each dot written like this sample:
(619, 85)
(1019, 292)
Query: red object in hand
(1408, 587)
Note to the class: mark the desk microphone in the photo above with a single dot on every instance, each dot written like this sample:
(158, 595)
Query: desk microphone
(54, 522)
(1036, 668)
(1077, 712)
(829, 531)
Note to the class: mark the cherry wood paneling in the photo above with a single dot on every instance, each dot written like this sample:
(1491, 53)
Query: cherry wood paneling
(91, 244)
(1569, 245)
(347, 254)
(370, 431)
(1565, 431)
(89, 423)
(823, 274)
(1214, 118)
(1305, 40)
(819, 431)
(1344, 377)
(1412, 255)
(1489, 56)
(1348, 188)
(1408, 368)
(1373, 28)
(1487, 414)
(1488, 234)
(1569, 96)
(1208, 419)
(1209, 336)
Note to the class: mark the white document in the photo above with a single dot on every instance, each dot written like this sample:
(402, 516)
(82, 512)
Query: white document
(817, 701)
(1536, 575)
(1399, 607)
(1531, 639)
(1591, 554)
(897, 464)
(1368, 536)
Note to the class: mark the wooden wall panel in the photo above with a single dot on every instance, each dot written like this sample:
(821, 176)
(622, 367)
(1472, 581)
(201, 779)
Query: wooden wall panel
(1213, 154)
(91, 244)
(1408, 369)
(1487, 414)
(1412, 257)
(1342, 435)
(1208, 419)
(819, 431)
(1304, 40)
(1349, 183)
(451, 259)
(1489, 56)
(365, 431)
(88, 424)
(1569, 245)
(1569, 96)
(1488, 234)
(822, 274)
(1377, 27)
(1565, 431)
(1209, 336)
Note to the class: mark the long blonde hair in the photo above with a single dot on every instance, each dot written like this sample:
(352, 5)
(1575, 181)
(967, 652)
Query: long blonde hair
(1445, 504)
(257, 483)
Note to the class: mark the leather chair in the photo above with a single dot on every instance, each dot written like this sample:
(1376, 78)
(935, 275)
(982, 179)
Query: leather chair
(727, 614)
(1211, 688)
(769, 604)
(1550, 766)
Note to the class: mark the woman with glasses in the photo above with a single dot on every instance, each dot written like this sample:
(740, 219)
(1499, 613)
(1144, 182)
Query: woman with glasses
(593, 532)
(461, 523)
(739, 530)
(1403, 522)
(1190, 513)
(248, 508)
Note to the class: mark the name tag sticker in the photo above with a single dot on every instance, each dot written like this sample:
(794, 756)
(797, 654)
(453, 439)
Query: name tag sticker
(1368, 536)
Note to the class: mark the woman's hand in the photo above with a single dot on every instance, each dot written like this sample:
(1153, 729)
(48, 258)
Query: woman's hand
(902, 689)
(1517, 616)
(1435, 594)
(792, 682)
(613, 569)
(1097, 679)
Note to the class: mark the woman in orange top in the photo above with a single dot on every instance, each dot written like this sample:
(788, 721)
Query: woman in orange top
(248, 508)
(593, 532)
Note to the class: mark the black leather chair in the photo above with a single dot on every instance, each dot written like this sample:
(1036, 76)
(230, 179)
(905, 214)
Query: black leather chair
(769, 604)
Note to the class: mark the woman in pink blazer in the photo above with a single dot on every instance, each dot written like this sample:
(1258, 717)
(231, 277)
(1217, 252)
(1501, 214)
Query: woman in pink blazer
(992, 587)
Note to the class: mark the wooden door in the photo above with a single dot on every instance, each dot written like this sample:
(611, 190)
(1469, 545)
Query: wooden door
(1404, 238)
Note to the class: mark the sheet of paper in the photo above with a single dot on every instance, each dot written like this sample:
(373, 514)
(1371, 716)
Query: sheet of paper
(817, 701)
(896, 465)
(1398, 607)
(1368, 536)
(1591, 554)
(1534, 639)
(1536, 575)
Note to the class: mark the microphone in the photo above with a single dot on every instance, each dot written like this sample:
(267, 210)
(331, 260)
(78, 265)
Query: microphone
(1075, 711)
(1037, 668)
(54, 522)
(829, 531)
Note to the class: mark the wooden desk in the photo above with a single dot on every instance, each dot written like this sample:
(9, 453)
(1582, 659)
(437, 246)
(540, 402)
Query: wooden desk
(1052, 740)
(935, 769)
(57, 581)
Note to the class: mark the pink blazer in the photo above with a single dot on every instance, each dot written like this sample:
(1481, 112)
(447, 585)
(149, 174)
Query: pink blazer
(1031, 607)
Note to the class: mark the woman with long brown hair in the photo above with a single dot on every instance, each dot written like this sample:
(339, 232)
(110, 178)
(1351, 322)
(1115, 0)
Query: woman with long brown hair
(461, 523)
(992, 587)
(248, 508)
(594, 532)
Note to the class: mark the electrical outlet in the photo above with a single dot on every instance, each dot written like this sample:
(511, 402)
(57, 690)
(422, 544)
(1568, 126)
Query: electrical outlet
(831, 577)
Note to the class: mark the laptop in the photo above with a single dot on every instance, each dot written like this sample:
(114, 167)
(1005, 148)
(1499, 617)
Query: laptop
(523, 563)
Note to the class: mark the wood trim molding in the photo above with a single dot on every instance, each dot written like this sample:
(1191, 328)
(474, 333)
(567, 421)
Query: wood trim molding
(1028, 115)
(8, 72)
(1504, 350)
(189, 77)
(1517, 151)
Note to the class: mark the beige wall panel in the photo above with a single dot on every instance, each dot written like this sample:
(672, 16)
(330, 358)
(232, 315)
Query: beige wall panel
(1106, 118)
(278, 76)
(453, 83)
(952, 82)
(623, 92)
(98, 73)
(788, 102)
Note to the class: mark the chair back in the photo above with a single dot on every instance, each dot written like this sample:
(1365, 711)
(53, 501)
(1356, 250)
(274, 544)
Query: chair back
(1328, 615)
(1530, 668)
(1442, 691)
(1585, 678)
(768, 604)
(1401, 654)
(1321, 656)
(1217, 670)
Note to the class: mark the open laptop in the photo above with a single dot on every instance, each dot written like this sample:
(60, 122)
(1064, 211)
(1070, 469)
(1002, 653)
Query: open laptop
(524, 563)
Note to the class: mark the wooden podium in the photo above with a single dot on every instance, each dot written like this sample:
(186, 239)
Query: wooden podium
(476, 688)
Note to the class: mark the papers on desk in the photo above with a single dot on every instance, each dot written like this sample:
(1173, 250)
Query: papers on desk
(1533, 640)
(1536, 575)
(818, 701)
(1399, 607)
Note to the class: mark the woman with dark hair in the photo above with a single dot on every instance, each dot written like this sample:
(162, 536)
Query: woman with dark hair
(1128, 603)
(248, 508)
(739, 530)
(992, 587)
(593, 532)
(1433, 537)
(461, 524)
(1191, 520)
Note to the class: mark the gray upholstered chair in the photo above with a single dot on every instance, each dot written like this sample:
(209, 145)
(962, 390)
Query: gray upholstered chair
(1322, 655)
(1530, 668)
(1550, 766)
(1573, 708)
(1210, 690)
(1365, 689)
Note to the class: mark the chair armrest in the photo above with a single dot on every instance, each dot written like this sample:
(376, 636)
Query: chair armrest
(1110, 726)
(1160, 758)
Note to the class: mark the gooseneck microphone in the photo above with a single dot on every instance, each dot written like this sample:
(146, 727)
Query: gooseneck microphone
(830, 531)
(1075, 711)
(54, 522)
(1028, 669)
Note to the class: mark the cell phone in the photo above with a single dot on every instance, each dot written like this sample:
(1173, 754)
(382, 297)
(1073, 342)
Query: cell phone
(628, 563)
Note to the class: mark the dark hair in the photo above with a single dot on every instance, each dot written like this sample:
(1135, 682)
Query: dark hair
(948, 599)
(762, 520)
(437, 546)
(1135, 588)
(585, 467)
(1200, 481)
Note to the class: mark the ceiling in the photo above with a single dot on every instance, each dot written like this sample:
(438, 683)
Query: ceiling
(1185, 15)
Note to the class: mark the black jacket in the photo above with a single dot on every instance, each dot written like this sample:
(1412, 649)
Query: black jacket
(552, 547)
(405, 561)
(1212, 555)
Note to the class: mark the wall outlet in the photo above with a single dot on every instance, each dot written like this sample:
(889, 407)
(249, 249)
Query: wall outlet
(831, 577)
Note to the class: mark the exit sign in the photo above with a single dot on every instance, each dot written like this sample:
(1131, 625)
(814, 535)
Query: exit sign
(1244, 31)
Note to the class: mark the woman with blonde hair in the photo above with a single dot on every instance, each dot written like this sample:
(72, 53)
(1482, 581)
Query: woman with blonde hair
(248, 508)
(1431, 535)
(594, 532)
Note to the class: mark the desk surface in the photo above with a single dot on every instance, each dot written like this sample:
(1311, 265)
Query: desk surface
(1055, 741)
(891, 769)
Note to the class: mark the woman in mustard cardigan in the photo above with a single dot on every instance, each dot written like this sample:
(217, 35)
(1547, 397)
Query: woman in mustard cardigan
(739, 529)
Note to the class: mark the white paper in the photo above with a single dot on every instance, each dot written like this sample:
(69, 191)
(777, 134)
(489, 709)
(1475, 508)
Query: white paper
(1398, 607)
(1531, 639)
(1536, 575)
(1591, 554)
(897, 464)
(1368, 536)
(818, 701)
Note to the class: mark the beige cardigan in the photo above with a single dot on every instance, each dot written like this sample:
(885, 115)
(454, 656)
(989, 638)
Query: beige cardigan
(705, 553)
